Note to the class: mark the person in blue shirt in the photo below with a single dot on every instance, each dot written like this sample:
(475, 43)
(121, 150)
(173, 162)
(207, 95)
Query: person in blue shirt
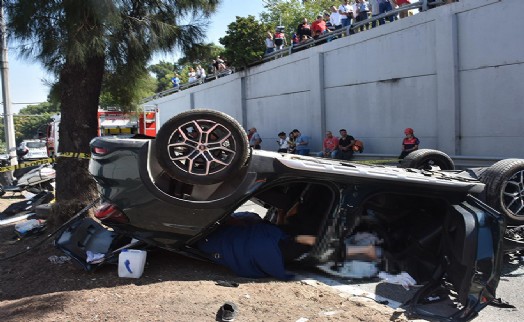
(254, 248)
(176, 81)
(301, 143)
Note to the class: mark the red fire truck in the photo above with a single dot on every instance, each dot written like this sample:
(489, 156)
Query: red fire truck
(111, 122)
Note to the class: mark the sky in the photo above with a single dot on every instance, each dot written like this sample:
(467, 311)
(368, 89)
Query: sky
(26, 78)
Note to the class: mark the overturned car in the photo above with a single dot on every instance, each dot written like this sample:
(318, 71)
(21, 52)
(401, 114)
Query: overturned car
(173, 191)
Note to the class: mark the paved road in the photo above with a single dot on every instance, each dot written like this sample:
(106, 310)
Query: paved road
(511, 290)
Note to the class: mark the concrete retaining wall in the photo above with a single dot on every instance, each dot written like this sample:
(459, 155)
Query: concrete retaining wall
(455, 74)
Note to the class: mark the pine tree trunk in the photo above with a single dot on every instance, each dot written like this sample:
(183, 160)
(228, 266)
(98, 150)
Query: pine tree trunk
(80, 87)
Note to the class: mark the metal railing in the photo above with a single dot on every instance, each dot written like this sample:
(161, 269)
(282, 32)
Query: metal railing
(421, 5)
(461, 161)
(184, 86)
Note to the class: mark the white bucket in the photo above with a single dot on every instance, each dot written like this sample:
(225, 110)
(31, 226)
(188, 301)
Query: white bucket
(131, 263)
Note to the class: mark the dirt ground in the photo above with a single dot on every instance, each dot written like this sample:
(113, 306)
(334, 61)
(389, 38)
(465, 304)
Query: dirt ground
(172, 288)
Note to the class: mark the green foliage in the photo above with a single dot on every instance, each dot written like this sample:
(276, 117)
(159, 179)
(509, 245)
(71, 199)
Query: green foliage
(291, 13)
(244, 41)
(124, 33)
(116, 93)
(201, 54)
(163, 71)
(31, 121)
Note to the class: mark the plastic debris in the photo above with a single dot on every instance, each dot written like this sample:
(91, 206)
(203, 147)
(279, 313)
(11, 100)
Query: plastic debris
(29, 227)
(403, 279)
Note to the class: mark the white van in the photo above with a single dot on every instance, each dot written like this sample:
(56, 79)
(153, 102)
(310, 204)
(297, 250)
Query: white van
(32, 150)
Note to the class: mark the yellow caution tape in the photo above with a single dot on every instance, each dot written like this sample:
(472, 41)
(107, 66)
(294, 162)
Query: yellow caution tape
(27, 164)
(77, 155)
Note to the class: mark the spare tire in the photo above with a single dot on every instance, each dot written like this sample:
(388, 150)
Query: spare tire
(201, 146)
(426, 159)
(505, 189)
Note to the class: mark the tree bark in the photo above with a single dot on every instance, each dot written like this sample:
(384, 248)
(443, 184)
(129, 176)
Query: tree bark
(80, 86)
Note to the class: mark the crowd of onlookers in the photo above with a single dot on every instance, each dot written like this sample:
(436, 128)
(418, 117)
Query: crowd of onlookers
(197, 75)
(335, 18)
(344, 16)
(341, 147)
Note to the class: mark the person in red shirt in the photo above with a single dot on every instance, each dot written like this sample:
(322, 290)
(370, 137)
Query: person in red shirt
(318, 27)
(329, 146)
(401, 3)
(409, 144)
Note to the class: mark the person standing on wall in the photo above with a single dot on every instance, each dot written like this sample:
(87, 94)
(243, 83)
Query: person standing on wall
(270, 44)
(346, 14)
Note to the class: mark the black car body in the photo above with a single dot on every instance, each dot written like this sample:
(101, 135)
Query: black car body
(431, 224)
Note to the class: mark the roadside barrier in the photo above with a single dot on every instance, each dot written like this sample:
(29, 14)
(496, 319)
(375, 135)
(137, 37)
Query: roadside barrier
(381, 161)
(76, 155)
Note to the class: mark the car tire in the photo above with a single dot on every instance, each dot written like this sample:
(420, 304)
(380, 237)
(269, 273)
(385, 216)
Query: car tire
(505, 189)
(202, 147)
(426, 158)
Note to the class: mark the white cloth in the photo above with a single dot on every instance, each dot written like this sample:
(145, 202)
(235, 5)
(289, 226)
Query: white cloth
(403, 279)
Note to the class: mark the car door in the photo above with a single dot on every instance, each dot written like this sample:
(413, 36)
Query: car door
(472, 260)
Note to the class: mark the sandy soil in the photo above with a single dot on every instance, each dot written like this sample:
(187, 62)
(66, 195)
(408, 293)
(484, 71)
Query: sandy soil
(172, 288)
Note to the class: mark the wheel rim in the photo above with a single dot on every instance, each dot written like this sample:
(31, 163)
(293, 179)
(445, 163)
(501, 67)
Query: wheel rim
(202, 147)
(513, 194)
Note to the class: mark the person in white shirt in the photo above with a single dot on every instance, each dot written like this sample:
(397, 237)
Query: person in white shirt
(361, 9)
(270, 44)
(192, 75)
(200, 74)
(346, 14)
(282, 141)
(334, 18)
